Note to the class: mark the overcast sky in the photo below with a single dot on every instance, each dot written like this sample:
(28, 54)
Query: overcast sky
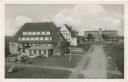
(82, 17)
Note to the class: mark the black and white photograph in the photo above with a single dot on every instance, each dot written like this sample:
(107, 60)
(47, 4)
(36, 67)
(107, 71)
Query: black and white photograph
(64, 41)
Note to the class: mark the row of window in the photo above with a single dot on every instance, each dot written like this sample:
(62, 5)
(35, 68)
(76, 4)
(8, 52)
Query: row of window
(32, 44)
(36, 33)
(34, 38)
(38, 51)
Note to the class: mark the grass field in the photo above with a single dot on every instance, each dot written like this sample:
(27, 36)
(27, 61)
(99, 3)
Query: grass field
(37, 73)
(60, 61)
(116, 51)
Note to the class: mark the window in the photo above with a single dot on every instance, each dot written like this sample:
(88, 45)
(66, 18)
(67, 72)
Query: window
(34, 51)
(34, 33)
(38, 33)
(48, 33)
(45, 44)
(41, 38)
(56, 51)
(19, 39)
(45, 38)
(45, 33)
(25, 44)
(49, 44)
(30, 44)
(42, 33)
(44, 51)
(23, 38)
(27, 38)
(39, 51)
(12, 44)
(30, 52)
(20, 45)
(49, 38)
(24, 33)
(33, 44)
(32, 39)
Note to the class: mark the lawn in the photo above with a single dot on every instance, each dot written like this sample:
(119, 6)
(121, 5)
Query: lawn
(37, 73)
(60, 61)
(116, 51)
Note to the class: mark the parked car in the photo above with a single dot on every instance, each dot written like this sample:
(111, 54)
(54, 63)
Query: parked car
(14, 69)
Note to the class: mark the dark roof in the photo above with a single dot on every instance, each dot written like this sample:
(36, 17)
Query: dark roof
(39, 27)
(69, 28)
(73, 32)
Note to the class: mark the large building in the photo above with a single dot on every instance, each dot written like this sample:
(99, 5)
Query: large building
(101, 36)
(34, 39)
(69, 34)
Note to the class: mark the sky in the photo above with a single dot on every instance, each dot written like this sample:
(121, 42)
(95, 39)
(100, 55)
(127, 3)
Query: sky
(82, 17)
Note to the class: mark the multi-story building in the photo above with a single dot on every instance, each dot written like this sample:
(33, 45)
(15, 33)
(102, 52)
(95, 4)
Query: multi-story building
(69, 34)
(34, 39)
(101, 35)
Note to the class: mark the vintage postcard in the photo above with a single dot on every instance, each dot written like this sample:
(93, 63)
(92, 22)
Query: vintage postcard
(64, 41)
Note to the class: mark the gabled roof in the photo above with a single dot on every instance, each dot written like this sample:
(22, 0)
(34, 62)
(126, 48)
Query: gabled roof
(69, 28)
(39, 27)
(58, 29)
(73, 32)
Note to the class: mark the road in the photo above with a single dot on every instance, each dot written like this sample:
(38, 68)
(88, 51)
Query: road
(93, 65)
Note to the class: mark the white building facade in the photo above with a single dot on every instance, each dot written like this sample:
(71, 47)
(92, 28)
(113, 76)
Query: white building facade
(67, 33)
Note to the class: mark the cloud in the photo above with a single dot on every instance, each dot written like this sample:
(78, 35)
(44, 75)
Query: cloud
(87, 17)
(82, 17)
(19, 21)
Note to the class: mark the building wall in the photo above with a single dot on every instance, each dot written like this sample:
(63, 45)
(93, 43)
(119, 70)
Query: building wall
(66, 33)
(13, 47)
(107, 35)
(74, 41)
(35, 52)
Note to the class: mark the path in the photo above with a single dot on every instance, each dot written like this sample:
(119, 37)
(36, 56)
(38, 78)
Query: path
(97, 65)
(92, 65)
(39, 66)
(75, 74)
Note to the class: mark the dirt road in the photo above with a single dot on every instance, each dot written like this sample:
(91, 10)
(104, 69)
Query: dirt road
(97, 64)
(92, 65)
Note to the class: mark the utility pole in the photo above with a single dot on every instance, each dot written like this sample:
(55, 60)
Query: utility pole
(70, 56)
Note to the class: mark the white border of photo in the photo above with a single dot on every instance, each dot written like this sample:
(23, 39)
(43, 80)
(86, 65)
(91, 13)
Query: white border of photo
(2, 37)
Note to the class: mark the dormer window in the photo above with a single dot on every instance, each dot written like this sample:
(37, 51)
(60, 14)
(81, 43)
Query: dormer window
(38, 33)
(29, 33)
(27, 38)
(23, 38)
(24, 33)
(48, 33)
(34, 33)
(36, 38)
(45, 33)
(42, 33)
